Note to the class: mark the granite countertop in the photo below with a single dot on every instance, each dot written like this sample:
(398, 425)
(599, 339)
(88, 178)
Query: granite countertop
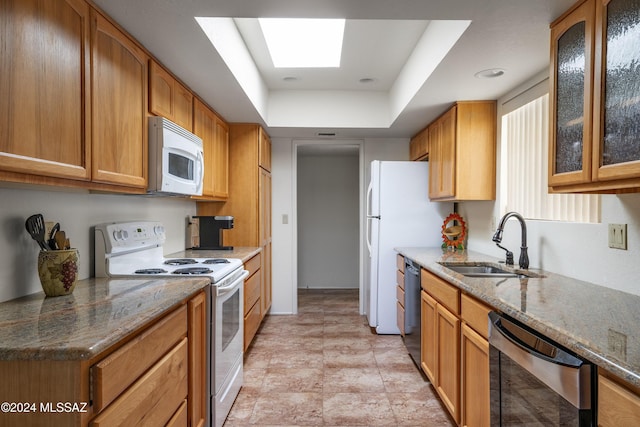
(98, 314)
(598, 323)
(245, 253)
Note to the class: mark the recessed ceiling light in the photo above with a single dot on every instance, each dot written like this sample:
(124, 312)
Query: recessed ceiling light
(367, 80)
(491, 73)
(303, 43)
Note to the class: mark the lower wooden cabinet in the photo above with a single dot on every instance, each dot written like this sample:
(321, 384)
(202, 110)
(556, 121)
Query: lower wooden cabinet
(155, 377)
(448, 365)
(618, 405)
(428, 336)
(197, 333)
(455, 349)
(474, 362)
(474, 376)
(252, 298)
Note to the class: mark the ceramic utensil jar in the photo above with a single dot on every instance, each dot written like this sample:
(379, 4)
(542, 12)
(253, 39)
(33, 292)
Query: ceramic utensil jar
(58, 271)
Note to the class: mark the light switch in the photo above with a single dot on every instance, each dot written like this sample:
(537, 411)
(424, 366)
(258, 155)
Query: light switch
(618, 236)
(285, 219)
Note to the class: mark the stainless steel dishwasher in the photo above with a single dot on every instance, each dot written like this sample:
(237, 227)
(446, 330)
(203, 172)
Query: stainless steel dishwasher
(534, 381)
(412, 310)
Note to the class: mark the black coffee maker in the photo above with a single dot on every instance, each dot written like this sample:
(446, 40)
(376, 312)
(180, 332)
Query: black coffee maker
(210, 231)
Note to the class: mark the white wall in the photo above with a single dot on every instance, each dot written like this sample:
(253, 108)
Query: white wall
(284, 203)
(572, 249)
(328, 190)
(77, 213)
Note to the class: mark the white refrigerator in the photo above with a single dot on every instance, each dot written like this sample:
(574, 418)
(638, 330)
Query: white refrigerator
(399, 213)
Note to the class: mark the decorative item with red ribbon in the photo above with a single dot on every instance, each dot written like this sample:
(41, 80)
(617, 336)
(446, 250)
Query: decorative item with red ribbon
(453, 235)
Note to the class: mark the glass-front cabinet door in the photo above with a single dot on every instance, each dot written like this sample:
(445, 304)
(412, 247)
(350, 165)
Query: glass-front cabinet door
(571, 80)
(617, 90)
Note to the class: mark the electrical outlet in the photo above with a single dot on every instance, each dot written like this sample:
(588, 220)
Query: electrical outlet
(617, 343)
(618, 236)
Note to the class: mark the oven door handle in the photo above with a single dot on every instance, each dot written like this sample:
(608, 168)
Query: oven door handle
(221, 290)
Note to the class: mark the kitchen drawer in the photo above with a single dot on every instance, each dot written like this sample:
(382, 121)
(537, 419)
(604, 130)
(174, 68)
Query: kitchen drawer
(400, 317)
(400, 262)
(155, 397)
(443, 292)
(251, 291)
(400, 295)
(475, 314)
(253, 264)
(400, 278)
(113, 374)
(179, 419)
(251, 323)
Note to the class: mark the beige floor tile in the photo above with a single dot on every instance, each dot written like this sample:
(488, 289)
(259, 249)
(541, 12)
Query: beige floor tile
(349, 409)
(325, 367)
(280, 409)
(297, 380)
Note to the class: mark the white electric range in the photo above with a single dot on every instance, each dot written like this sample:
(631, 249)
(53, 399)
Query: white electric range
(135, 249)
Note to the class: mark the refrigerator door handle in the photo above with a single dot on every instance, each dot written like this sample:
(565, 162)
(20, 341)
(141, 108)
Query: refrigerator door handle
(369, 217)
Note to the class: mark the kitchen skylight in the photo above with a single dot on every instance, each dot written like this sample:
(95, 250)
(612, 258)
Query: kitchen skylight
(303, 43)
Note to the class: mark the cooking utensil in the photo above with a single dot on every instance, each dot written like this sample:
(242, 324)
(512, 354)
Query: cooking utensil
(61, 239)
(52, 241)
(35, 226)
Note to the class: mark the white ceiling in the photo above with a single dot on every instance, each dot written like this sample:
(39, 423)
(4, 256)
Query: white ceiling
(380, 39)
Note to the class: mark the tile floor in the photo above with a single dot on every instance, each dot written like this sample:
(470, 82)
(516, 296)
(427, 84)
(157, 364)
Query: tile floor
(324, 367)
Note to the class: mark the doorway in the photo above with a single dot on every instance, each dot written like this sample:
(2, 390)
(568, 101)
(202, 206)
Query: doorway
(328, 215)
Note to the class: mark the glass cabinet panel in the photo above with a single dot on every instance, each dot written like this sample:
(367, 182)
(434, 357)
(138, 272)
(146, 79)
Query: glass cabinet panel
(621, 83)
(571, 66)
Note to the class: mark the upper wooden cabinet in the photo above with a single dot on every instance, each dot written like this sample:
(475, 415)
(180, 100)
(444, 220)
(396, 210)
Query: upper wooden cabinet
(215, 138)
(44, 107)
(594, 133)
(462, 152)
(168, 98)
(264, 155)
(119, 106)
(419, 145)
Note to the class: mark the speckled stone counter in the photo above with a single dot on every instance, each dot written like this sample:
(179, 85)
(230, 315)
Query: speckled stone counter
(245, 253)
(98, 314)
(598, 323)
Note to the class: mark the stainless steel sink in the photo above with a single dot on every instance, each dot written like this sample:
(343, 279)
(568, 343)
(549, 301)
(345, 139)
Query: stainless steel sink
(483, 270)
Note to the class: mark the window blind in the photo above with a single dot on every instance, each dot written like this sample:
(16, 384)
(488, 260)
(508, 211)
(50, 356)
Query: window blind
(525, 132)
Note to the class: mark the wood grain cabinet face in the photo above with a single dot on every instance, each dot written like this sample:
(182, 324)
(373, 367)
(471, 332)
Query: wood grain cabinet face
(168, 98)
(618, 406)
(45, 103)
(428, 337)
(594, 144)
(249, 200)
(197, 400)
(119, 106)
(462, 152)
(474, 376)
(419, 146)
(215, 138)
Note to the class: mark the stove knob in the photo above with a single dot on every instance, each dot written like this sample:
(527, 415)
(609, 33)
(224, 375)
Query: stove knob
(158, 230)
(117, 234)
(124, 234)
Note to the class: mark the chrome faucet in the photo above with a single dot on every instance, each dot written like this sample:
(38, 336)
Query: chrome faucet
(497, 237)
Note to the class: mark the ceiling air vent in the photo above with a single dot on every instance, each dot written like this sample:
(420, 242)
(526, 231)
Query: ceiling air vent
(326, 134)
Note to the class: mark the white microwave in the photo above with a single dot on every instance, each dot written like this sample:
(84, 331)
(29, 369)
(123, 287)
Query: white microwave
(176, 159)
